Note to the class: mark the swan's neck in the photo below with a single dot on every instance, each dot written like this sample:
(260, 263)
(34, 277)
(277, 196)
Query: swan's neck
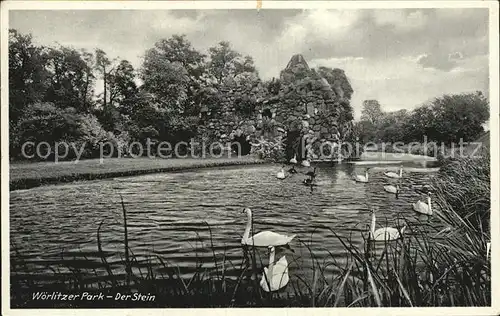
(429, 202)
(271, 257)
(372, 225)
(246, 235)
(366, 175)
(400, 172)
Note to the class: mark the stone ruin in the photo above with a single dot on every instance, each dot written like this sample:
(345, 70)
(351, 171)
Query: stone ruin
(309, 108)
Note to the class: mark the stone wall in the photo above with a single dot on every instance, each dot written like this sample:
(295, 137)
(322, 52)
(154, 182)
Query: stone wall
(306, 106)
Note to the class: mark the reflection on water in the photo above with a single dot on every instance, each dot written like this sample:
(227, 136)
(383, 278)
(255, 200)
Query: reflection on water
(168, 215)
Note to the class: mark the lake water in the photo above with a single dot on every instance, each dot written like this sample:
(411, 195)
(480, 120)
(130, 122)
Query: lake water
(55, 227)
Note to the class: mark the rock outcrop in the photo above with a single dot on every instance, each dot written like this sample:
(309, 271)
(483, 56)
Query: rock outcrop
(310, 108)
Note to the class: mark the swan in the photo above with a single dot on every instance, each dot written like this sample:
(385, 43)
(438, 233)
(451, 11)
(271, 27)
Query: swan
(392, 189)
(309, 181)
(276, 276)
(265, 238)
(384, 233)
(364, 178)
(292, 170)
(294, 159)
(391, 174)
(281, 174)
(306, 163)
(422, 208)
(312, 174)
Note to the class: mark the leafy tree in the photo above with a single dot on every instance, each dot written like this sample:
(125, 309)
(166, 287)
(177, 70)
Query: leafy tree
(72, 79)
(179, 49)
(391, 126)
(123, 87)
(226, 62)
(28, 77)
(459, 116)
(168, 81)
(46, 122)
(104, 67)
(372, 111)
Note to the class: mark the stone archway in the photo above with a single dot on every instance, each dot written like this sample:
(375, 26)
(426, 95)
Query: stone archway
(293, 145)
(267, 113)
(241, 143)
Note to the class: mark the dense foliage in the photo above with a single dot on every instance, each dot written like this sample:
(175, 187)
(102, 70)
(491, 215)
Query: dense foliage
(447, 119)
(53, 93)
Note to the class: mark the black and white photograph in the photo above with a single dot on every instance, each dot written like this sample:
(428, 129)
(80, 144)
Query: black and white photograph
(186, 155)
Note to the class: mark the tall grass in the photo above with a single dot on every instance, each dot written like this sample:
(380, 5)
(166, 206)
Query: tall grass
(446, 267)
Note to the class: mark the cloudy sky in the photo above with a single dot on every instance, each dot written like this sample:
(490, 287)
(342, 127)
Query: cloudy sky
(400, 57)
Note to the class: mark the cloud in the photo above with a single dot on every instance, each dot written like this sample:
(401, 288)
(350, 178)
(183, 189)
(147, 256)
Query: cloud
(442, 62)
(402, 57)
(401, 20)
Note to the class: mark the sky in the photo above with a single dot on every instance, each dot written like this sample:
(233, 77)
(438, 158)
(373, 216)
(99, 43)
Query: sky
(400, 57)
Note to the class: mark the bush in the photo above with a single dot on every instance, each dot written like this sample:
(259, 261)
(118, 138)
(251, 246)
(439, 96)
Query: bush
(272, 150)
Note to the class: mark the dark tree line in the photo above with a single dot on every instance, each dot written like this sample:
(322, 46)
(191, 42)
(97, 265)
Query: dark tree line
(52, 92)
(446, 119)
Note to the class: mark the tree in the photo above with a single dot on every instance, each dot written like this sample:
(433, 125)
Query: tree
(372, 111)
(226, 62)
(167, 81)
(28, 77)
(459, 116)
(391, 126)
(103, 66)
(178, 49)
(72, 79)
(122, 85)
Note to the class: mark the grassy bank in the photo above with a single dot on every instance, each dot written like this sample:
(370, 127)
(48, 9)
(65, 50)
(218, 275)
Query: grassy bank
(429, 267)
(28, 175)
(25, 175)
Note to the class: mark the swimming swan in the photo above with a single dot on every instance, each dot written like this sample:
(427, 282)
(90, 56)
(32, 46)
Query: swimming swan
(364, 178)
(392, 189)
(281, 174)
(306, 163)
(294, 159)
(391, 174)
(265, 238)
(276, 276)
(384, 233)
(312, 174)
(422, 208)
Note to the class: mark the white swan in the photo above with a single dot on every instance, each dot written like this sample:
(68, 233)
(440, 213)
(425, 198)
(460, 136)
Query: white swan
(265, 238)
(359, 178)
(392, 189)
(306, 163)
(422, 208)
(391, 174)
(281, 174)
(384, 233)
(276, 276)
(294, 159)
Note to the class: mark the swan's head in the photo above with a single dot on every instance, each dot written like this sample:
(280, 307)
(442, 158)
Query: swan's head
(247, 211)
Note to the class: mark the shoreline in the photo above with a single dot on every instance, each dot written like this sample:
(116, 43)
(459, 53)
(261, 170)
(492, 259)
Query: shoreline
(30, 175)
(27, 175)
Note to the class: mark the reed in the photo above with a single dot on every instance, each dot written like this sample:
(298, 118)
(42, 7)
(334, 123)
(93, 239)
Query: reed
(427, 267)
